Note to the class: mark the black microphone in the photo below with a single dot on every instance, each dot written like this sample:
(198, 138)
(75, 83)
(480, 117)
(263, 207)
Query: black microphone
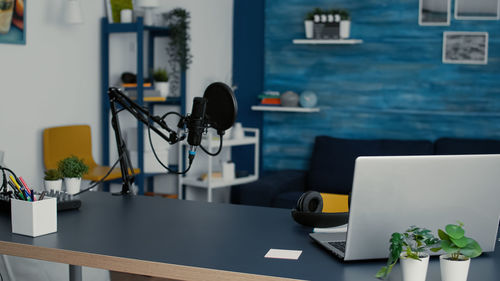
(196, 125)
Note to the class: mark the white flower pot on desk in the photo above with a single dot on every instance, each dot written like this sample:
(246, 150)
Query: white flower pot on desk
(412, 269)
(454, 270)
(53, 185)
(72, 185)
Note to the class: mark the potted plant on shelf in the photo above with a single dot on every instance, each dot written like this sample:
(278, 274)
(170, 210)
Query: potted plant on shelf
(309, 25)
(72, 169)
(178, 48)
(53, 180)
(160, 77)
(345, 24)
(459, 250)
(411, 247)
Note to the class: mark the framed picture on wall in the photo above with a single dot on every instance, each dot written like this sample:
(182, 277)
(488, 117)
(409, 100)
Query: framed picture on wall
(477, 9)
(434, 12)
(12, 21)
(465, 47)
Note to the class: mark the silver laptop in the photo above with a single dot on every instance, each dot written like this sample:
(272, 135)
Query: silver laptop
(390, 193)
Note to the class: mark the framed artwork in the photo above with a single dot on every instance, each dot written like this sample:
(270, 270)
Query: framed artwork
(477, 9)
(434, 12)
(465, 47)
(13, 21)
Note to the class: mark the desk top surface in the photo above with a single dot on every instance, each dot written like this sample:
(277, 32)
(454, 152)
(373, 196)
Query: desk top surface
(208, 235)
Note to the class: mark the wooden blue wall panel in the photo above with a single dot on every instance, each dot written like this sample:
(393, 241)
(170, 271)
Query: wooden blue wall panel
(394, 85)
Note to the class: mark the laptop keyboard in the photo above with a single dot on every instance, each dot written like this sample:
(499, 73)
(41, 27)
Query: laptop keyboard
(340, 245)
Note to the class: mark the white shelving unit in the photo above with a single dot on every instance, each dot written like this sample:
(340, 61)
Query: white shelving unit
(328, 41)
(284, 108)
(211, 143)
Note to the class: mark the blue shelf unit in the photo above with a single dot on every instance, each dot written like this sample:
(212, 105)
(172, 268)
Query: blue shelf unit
(142, 31)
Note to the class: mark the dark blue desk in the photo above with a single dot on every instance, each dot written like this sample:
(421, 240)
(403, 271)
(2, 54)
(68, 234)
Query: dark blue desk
(188, 240)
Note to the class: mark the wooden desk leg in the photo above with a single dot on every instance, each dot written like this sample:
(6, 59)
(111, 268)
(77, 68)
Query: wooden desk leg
(75, 273)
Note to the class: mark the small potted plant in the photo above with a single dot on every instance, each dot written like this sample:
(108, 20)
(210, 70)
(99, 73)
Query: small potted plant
(309, 25)
(160, 77)
(72, 169)
(412, 248)
(53, 180)
(459, 250)
(345, 24)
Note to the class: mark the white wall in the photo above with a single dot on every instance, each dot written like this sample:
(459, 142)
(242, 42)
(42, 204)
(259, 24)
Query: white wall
(52, 80)
(55, 78)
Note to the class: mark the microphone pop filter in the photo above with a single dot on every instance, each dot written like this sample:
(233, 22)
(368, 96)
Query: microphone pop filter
(221, 107)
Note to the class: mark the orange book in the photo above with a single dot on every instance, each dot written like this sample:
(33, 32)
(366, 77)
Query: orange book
(133, 85)
(270, 101)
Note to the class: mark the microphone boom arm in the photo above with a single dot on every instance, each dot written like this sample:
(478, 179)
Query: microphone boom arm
(143, 115)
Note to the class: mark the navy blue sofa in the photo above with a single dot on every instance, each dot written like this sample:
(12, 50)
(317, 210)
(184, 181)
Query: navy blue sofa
(331, 167)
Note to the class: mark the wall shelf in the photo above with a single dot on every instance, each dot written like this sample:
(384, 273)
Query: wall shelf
(328, 41)
(284, 108)
(142, 33)
(251, 138)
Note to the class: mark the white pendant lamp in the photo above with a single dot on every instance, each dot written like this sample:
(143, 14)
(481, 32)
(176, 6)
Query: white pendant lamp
(148, 6)
(73, 12)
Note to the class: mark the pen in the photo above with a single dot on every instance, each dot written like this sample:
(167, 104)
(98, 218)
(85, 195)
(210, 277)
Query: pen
(42, 195)
(21, 189)
(13, 181)
(16, 193)
(30, 191)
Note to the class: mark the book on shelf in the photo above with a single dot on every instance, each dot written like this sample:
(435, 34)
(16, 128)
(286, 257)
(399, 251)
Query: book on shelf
(273, 101)
(134, 85)
(148, 95)
(270, 98)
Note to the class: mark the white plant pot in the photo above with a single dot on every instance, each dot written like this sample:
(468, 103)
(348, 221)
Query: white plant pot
(414, 270)
(345, 29)
(162, 87)
(72, 185)
(453, 270)
(309, 28)
(53, 185)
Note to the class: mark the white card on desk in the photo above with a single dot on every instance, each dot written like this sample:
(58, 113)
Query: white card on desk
(335, 229)
(283, 254)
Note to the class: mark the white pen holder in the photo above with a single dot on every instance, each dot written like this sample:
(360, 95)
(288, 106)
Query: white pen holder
(34, 218)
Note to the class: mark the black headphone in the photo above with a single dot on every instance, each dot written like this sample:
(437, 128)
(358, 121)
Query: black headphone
(310, 201)
(308, 212)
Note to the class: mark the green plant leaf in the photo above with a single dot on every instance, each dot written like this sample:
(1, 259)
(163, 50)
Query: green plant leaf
(443, 235)
(472, 249)
(460, 243)
(455, 231)
(449, 247)
(436, 249)
(413, 256)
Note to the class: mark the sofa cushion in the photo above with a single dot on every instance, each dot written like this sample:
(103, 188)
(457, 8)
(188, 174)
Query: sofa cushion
(450, 146)
(264, 191)
(332, 162)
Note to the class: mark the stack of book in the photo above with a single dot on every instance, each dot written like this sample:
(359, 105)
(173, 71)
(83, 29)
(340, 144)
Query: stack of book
(133, 86)
(270, 98)
(148, 91)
